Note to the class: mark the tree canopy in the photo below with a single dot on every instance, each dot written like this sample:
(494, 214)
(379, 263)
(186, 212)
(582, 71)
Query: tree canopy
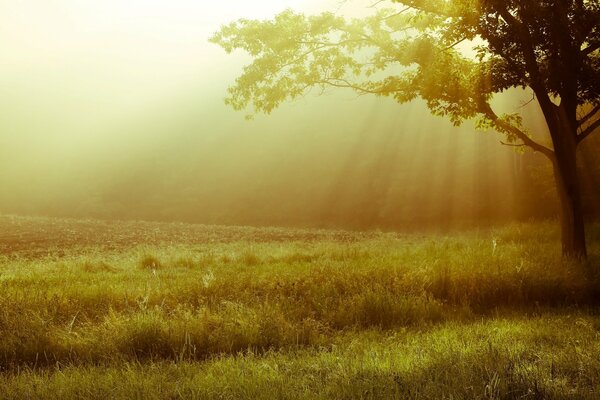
(454, 54)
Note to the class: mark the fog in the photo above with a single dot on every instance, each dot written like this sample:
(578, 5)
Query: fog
(115, 110)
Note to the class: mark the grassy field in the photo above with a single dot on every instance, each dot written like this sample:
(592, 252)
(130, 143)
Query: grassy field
(146, 310)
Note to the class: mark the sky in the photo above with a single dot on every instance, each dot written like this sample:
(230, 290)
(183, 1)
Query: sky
(164, 36)
(112, 59)
(115, 109)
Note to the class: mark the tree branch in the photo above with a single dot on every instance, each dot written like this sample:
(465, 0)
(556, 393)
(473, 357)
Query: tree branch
(428, 7)
(537, 83)
(590, 49)
(453, 45)
(526, 103)
(588, 131)
(486, 110)
(343, 83)
(589, 116)
(513, 144)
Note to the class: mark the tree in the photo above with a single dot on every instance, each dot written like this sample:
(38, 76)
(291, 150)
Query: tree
(456, 55)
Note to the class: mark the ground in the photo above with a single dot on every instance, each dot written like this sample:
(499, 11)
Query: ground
(124, 310)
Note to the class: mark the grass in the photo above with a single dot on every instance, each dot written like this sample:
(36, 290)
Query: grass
(544, 357)
(275, 313)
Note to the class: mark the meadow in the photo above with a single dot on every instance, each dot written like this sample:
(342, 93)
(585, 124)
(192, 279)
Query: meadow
(121, 310)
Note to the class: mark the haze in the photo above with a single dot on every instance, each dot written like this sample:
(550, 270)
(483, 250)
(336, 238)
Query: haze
(114, 109)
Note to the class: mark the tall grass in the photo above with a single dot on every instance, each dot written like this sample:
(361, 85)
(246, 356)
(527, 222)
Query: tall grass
(546, 357)
(90, 312)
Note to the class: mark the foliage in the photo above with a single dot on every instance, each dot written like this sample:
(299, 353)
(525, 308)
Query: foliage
(455, 55)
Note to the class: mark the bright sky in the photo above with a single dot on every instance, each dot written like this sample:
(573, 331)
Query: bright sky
(38, 33)
(74, 72)
(137, 49)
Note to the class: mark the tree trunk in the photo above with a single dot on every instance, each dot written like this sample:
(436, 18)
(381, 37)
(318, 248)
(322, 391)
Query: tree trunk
(571, 208)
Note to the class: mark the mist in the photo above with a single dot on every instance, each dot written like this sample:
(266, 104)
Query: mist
(116, 111)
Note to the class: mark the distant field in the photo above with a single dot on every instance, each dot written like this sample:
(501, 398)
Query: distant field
(125, 310)
(34, 237)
